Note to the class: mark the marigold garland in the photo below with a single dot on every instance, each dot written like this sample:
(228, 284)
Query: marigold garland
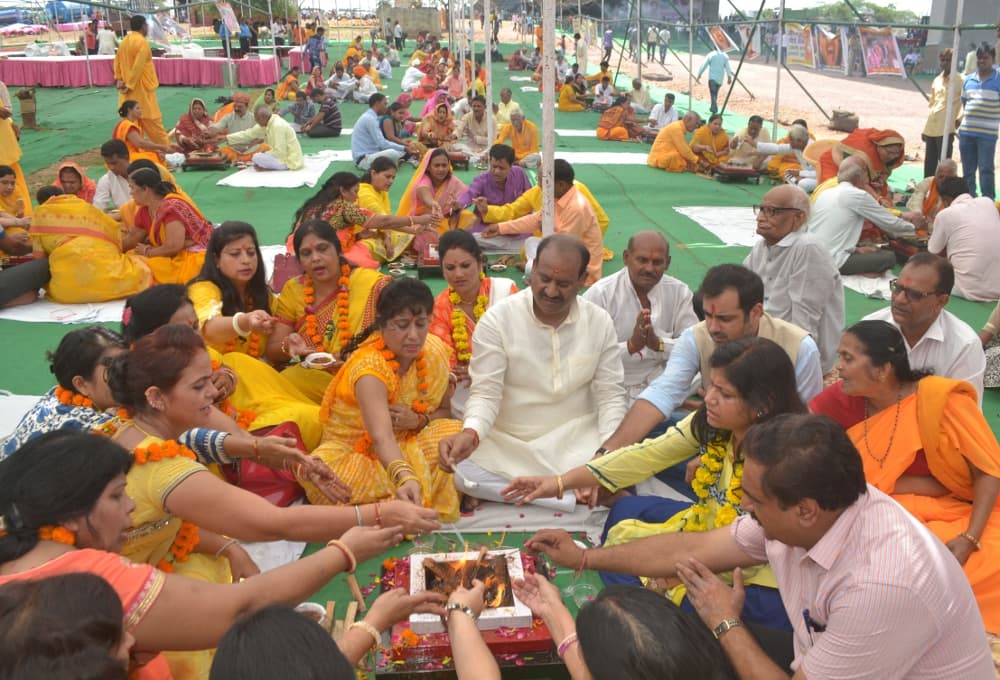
(71, 398)
(339, 324)
(706, 477)
(459, 333)
(56, 533)
(243, 417)
(364, 443)
(187, 538)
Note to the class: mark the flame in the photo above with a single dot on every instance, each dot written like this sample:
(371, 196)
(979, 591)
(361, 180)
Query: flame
(498, 599)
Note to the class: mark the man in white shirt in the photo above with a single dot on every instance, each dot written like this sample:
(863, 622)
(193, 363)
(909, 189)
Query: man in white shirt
(547, 378)
(839, 214)
(967, 232)
(112, 188)
(936, 339)
(664, 39)
(743, 144)
(663, 114)
(473, 137)
(639, 98)
(507, 106)
(801, 285)
(650, 310)
(107, 41)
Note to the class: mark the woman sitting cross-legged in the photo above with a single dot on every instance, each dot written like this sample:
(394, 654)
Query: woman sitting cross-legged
(129, 130)
(924, 441)
(193, 131)
(321, 310)
(172, 233)
(65, 509)
(373, 196)
(387, 408)
(434, 190)
(462, 303)
(752, 380)
(710, 143)
(363, 234)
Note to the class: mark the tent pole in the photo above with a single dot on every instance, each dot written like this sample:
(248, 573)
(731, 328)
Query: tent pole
(545, 170)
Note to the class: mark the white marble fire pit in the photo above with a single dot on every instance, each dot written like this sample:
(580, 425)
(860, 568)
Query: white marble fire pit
(516, 615)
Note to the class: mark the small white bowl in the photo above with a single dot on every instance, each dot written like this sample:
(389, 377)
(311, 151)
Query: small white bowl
(319, 360)
(312, 611)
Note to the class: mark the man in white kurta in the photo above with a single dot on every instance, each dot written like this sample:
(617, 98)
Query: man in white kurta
(650, 309)
(547, 378)
(284, 153)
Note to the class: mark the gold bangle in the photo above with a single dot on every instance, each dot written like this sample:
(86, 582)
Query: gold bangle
(371, 630)
(256, 449)
(408, 478)
(971, 539)
(562, 487)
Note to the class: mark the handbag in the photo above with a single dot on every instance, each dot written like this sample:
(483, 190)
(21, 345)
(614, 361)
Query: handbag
(285, 267)
(278, 487)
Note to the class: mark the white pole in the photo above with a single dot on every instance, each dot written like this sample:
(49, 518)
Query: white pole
(690, 51)
(953, 82)
(489, 71)
(780, 64)
(548, 115)
(639, 40)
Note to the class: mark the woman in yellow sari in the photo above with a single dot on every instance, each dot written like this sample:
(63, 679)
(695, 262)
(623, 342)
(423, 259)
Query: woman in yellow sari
(925, 442)
(434, 190)
(289, 87)
(323, 309)
(175, 232)
(710, 143)
(373, 196)
(752, 380)
(233, 305)
(129, 130)
(388, 408)
(84, 248)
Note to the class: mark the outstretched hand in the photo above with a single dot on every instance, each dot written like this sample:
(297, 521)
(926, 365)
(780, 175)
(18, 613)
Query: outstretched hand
(558, 545)
(709, 595)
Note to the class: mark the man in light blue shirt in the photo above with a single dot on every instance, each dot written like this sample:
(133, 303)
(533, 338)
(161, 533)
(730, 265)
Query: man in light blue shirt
(717, 64)
(733, 302)
(367, 140)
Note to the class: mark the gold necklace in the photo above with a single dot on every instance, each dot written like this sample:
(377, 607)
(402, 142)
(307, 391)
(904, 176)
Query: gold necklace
(892, 436)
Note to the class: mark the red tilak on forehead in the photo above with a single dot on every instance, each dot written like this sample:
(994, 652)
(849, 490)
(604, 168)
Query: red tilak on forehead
(713, 309)
(556, 271)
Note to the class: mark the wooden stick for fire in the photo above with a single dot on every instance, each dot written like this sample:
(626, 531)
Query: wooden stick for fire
(331, 608)
(352, 583)
(466, 575)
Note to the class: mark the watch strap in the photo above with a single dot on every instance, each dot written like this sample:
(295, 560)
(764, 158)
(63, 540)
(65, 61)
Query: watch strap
(454, 606)
(726, 626)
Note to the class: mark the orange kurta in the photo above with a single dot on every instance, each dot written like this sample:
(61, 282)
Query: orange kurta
(719, 142)
(670, 151)
(942, 419)
(134, 66)
(862, 143)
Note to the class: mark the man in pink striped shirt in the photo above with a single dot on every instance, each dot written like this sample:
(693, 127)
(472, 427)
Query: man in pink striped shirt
(870, 592)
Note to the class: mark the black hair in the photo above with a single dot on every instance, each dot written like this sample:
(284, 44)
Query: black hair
(755, 119)
(56, 477)
(748, 284)
(375, 99)
(152, 308)
(67, 627)
(566, 243)
(393, 107)
(379, 164)
(46, 192)
(763, 375)
(137, 22)
(502, 152)
(478, 98)
(127, 106)
(278, 642)
(883, 344)
(7, 171)
(232, 301)
(952, 187)
(148, 178)
(436, 153)
(79, 353)
(461, 239)
(114, 147)
(156, 360)
(142, 164)
(327, 194)
(714, 116)
(806, 456)
(401, 295)
(801, 121)
(320, 229)
(943, 267)
(632, 632)
(562, 171)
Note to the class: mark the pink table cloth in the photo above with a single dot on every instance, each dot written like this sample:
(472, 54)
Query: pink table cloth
(257, 72)
(72, 71)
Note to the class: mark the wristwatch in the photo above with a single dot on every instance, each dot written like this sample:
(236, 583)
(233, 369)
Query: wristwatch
(661, 345)
(726, 626)
(454, 606)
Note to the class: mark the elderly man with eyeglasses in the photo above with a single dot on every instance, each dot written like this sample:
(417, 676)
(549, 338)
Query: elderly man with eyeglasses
(936, 339)
(839, 214)
(801, 283)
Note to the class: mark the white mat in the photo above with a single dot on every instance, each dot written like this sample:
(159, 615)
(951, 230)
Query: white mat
(520, 79)
(603, 157)
(873, 288)
(733, 226)
(576, 133)
(529, 88)
(12, 409)
(315, 166)
(45, 311)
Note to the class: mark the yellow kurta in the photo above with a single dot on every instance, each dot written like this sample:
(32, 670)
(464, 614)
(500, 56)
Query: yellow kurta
(153, 532)
(566, 99)
(260, 388)
(718, 142)
(377, 202)
(344, 430)
(10, 154)
(134, 66)
(670, 151)
(531, 201)
(362, 295)
(84, 248)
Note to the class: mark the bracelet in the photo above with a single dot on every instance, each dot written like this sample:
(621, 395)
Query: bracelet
(566, 643)
(236, 325)
(370, 629)
(427, 420)
(475, 435)
(352, 561)
(562, 487)
(231, 541)
(583, 563)
(256, 449)
(971, 539)
(408, 478)
(378, 514)
(456, 607)
(284, 347)
(357, 513)
(398, 468)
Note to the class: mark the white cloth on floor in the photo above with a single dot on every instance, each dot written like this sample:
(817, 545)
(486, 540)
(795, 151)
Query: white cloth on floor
(315, 166)
(473, 480)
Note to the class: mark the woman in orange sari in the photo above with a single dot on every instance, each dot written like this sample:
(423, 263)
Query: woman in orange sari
(435, 190)
(924, 441)
(129, 130)
(617, 123)
(72, 179)
(174, 232)
(462, 303)
(881, 150)
(710, 143)
(437, 129)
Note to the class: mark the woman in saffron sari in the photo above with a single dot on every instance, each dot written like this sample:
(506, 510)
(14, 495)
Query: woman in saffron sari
(129, 130)
(925, 442)
(364, 236)
(191, 128)
(752, 380)
(84, 248)
(173, 231)
(73, 180)
(388, 408)
(323, 309)
(437, 129)
(881, 150)
(434, 190)
(710, 143)
(66, 510)
(462, 303)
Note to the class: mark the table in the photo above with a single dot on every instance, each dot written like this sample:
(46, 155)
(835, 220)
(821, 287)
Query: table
(72, 71)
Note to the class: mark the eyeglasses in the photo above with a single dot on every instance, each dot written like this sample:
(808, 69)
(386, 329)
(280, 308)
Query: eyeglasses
(772, 210)
(912, 294)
